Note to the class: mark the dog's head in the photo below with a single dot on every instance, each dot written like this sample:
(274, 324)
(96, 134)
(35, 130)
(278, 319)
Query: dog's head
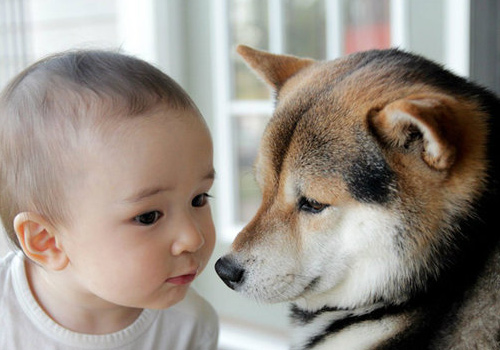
(365, 169)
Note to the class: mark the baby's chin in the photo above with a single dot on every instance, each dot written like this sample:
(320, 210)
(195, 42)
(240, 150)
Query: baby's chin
(176, 294)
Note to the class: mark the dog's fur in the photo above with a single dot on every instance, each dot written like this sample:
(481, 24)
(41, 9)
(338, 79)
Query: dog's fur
(379, 177)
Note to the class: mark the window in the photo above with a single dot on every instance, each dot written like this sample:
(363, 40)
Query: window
(32, 29)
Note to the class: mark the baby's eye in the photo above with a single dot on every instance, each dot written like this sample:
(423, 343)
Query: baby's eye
(148, 218)
(200, 200)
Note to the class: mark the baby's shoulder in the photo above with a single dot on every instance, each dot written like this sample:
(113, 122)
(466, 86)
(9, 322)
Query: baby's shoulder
(6, 264)
(6, 259)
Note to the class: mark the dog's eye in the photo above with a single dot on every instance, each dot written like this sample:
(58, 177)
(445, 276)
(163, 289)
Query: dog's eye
(311, 206)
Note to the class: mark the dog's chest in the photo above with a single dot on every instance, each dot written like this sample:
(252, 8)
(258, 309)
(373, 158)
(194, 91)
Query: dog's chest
(331, 331)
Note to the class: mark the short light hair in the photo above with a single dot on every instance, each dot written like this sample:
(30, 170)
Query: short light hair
(44, 110)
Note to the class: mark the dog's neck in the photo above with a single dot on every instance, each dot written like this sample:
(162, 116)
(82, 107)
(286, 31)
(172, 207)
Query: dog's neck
(360, 328)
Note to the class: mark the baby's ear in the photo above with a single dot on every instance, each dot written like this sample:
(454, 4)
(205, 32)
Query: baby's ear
(39, 241)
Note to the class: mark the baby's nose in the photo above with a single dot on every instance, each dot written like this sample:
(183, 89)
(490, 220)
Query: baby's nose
(189, 239)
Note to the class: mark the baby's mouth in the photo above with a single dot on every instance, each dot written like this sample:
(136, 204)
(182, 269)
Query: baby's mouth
(182, 279)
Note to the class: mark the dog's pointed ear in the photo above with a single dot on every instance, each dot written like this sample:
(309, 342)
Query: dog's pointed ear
(274, 69)
(428, 119)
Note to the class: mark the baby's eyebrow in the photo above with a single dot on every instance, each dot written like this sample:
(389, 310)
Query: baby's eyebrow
(145, 193)
(151, 191)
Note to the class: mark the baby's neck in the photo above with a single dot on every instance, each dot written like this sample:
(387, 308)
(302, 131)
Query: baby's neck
(65, 305)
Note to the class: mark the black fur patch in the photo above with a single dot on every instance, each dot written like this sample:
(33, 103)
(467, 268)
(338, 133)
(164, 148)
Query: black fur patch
(370, 179)
(339, 325)
(304, 317)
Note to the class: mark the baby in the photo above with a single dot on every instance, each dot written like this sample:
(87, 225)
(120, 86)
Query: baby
(105, 169)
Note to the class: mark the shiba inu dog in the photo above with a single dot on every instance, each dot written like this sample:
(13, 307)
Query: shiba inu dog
(379, 220)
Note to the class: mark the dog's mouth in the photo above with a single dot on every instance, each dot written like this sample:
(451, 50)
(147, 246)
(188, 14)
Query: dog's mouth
(279, 288)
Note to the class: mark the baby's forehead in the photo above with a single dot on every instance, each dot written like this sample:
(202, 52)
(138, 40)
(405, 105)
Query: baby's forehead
(140, 144)
(116, 125)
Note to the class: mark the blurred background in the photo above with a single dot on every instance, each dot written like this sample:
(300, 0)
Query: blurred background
(194, 42)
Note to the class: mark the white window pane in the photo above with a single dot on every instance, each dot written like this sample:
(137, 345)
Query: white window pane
(305, 32)
(249, 26)
(366, 25)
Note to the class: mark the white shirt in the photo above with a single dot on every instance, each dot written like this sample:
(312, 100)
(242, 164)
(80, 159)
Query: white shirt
(189, 325)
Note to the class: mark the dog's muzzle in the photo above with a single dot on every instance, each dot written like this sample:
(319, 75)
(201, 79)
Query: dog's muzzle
(230, 271)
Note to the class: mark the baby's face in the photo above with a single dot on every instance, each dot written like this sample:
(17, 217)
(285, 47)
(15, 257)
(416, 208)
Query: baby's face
(142, 228)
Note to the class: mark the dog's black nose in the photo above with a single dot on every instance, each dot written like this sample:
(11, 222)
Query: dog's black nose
(230, 271)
